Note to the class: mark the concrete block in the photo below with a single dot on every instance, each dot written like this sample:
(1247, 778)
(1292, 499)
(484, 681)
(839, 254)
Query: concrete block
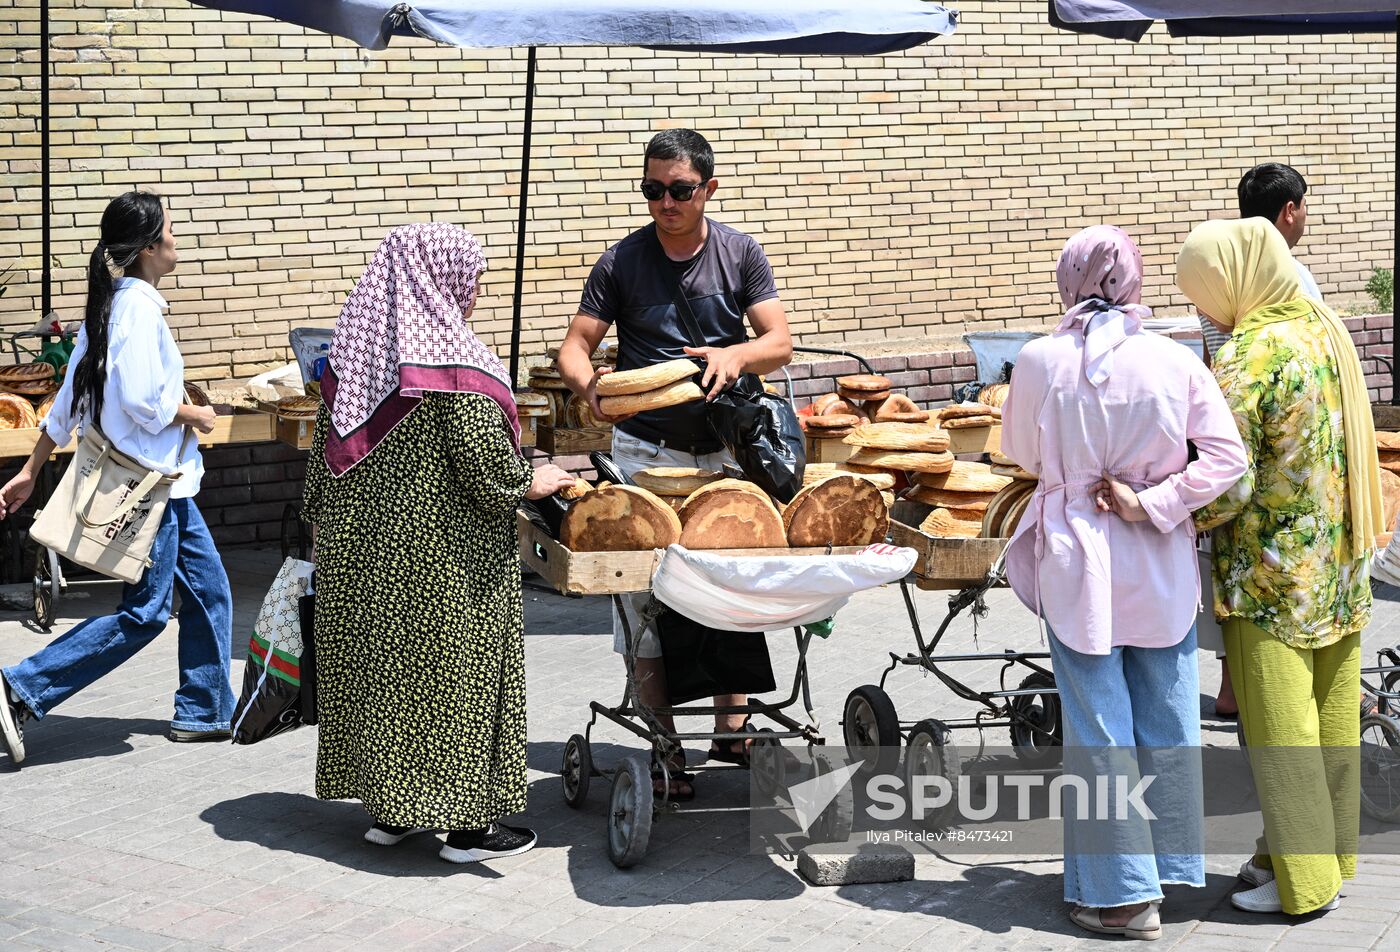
(883, 863)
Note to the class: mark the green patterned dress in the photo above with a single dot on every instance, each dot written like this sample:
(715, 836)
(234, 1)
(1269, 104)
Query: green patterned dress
(1283, 547)
(419, 620)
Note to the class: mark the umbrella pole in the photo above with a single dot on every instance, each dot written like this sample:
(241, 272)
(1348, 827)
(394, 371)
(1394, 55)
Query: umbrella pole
(47, 299)
(521, 225)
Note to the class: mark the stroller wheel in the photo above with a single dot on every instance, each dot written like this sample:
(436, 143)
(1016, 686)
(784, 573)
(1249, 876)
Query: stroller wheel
(630, 813)
(870, 728)
(576, 770)
(1036, 731)
(45, 590)
(932, 754)
(836, 821)
(1380, 767)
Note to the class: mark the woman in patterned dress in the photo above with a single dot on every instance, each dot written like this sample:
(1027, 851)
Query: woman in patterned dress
(412, 484)
(1292, 552)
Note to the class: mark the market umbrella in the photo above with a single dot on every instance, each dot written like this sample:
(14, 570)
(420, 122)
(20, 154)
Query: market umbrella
(1131, 19)
(782, 27)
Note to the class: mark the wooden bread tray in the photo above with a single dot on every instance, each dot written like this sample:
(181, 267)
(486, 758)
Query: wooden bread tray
(612, 573)
(231, 428)
(563, 441)
(945, 563)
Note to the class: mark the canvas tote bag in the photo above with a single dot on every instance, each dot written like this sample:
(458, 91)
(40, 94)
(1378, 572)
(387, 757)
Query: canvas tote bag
(106, 510)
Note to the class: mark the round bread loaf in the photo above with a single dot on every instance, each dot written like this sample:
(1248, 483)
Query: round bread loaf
(999, 458)
(1387, 441)
(864, 383)
(671, 395)
(905, 462)
(742, 485)
(835, 421)
(619, 519)
(820, 404)
(943, 524)
(729, 518)
(45, 407)
(1013, 516)
(547, 383)
(18, 373)
(579, 487)
(842, 510)
(646, 379)
(675, 480)
(544, 371)
(897, 408)
(36, 388)
(860, 396)
(298, 407)
(844, 407)
(968, 423)
(965, 477)
(999, 506)
(915, 437)
(16, 413)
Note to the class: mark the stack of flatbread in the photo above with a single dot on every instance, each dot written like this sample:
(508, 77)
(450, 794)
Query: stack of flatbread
(860, 399)
(649, 388)
(674, 484)
(1388, 448)
(545, 380)
(961, 498)
(898, 449)
(1004, 465)
(532, 404)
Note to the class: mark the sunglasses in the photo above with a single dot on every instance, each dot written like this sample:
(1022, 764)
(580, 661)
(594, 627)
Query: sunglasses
(653, 191)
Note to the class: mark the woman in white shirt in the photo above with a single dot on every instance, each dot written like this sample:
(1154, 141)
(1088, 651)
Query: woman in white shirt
(127, 374)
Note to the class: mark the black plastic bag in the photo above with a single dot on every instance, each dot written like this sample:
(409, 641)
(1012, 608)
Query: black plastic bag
(761, 430)
(279, 677)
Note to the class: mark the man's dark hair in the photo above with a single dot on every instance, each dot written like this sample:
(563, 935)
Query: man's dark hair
(682, 144)
(1266, 189)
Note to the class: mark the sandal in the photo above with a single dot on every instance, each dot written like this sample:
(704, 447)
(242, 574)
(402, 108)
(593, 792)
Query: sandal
(681, 787)
(729, 755)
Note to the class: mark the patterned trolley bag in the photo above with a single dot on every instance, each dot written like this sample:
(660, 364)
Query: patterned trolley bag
(278, 678)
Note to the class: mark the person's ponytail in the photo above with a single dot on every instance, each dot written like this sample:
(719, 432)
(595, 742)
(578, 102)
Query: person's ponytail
(131, 222)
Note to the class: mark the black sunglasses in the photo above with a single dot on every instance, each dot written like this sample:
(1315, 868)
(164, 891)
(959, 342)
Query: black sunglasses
(653, 191)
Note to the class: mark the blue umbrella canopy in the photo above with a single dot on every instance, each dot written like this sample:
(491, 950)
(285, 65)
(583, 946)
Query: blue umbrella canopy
(1130, 19)
(734, 26)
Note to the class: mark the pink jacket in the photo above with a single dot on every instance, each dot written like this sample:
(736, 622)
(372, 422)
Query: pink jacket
(1100, 581)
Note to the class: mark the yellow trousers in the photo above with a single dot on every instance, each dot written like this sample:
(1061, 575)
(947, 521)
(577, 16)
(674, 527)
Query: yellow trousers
(1303, 703)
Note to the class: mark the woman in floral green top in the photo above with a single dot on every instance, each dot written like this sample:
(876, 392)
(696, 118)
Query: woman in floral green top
(1292, 544)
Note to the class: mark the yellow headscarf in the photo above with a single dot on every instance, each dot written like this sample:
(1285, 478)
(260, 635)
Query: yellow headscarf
(1233, 269)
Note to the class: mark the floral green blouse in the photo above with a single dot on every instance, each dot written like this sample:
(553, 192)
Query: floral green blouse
(1283, 551)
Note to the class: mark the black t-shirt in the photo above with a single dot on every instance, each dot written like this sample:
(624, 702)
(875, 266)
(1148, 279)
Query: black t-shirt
(728, 276)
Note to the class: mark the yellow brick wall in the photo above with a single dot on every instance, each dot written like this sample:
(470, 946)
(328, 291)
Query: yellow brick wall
(906, 196)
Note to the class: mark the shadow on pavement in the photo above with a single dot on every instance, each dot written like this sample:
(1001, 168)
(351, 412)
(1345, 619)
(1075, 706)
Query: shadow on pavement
(58, 739)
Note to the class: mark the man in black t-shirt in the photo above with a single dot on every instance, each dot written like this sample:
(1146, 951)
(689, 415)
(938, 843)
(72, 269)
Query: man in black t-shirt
(727, 282)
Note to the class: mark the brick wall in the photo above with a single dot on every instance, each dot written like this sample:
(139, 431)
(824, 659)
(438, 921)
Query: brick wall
(898, 197)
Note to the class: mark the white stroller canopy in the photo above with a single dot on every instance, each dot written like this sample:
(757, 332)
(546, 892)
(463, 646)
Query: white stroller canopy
(767, 592)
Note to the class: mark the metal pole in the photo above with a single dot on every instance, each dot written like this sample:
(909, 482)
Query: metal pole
(1395, 269)
(520, 227)
(44, 156)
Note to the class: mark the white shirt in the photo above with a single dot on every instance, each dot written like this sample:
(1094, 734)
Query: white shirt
(145, 387)
(1310, 287)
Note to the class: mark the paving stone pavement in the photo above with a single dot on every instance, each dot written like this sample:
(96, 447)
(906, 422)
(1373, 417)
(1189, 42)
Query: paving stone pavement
(114, 838)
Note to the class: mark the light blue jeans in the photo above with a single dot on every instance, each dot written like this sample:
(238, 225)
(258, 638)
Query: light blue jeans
(1135, 712)
(183, 558)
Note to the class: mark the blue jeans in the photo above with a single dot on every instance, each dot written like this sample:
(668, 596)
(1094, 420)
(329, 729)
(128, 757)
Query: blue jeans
(183, 558)
(1136, 710)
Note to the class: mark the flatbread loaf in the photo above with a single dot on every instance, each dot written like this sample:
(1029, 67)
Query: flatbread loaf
(931, 463)
(1015, 472)
(968, 422)
(864, 383)
(994, 394)
(820, 404)
(671, 395)
(944, 524)
(966, 478)
(915, 437)
(743, 485)
(843, 407)
(960, 410)
(952, 499)
(731, 518)
(834, 421)
(547, 383)
(674, 480)
(1001, 505)
(842, 510)
(16, 413)
(999, 458)
(1390, 496)
(1014, 514)
(646, 379)
(816, 472)
(619, 519)
(897, 408)
(1387, 441)
(861, 396)
(579, 487)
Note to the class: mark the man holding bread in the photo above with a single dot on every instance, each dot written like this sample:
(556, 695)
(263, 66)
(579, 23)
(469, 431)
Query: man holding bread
(725, 279)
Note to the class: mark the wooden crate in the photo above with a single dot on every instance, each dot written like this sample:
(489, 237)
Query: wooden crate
(528, 432)
(611, 573)
(974, 441)
(947, 563)
(231, 428)
(296, 432)
(562, 441)
(828, 451)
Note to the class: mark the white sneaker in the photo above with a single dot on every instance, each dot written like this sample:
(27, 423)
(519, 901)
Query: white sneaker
(384, 835)
(11, 724)
(1255, 875)
(1265, 899)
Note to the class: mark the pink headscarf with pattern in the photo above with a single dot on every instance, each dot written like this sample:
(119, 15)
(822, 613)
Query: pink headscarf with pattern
(1100, 280)
(402, 333)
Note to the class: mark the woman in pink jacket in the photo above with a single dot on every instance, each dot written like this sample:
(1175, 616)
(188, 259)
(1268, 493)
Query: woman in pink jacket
(1099, 397)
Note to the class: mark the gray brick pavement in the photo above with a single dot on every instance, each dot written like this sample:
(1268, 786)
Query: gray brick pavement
(113, 838)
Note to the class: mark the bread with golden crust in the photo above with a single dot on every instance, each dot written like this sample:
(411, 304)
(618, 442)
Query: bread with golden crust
(619, 519)
(842, 510)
